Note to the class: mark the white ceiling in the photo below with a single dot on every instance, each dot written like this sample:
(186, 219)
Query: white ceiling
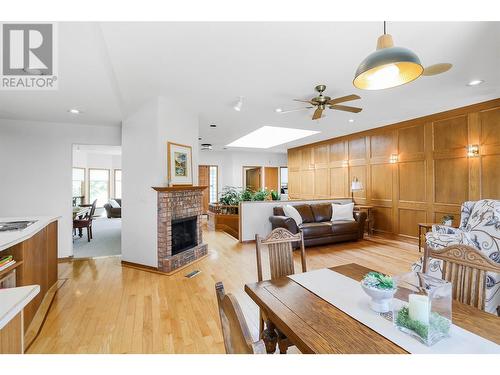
(109, 69)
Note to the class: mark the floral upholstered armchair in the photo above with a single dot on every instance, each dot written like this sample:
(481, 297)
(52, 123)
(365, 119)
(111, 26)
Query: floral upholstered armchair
(480, 229)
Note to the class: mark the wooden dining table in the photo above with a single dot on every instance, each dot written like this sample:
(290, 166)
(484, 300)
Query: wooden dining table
(315, 326)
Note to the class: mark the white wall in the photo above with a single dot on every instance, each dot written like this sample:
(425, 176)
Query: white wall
(144, 163)
(35, 171)
(231, 163)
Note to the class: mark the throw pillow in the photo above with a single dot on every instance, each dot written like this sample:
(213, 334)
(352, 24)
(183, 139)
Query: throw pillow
(114, 204)
(342, 212)
(292, 212)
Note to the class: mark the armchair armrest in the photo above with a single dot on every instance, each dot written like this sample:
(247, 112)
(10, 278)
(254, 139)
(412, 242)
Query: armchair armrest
(445, 229)
(284, 222)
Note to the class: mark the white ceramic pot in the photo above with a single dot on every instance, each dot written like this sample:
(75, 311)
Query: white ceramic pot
(380, 298)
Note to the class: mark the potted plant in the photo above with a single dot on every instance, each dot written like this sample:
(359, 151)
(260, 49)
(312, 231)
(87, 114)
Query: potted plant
(275, 196)
(247, 195)
(230, 196)
(261, 195)
(381, 289)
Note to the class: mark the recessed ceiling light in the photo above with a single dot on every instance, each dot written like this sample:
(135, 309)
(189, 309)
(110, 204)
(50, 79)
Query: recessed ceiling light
(475, 82)
(278, 110)
(213, 125)
(351, 120)
(75, 111)
(199, 138)
(270, 136)
(237, 107)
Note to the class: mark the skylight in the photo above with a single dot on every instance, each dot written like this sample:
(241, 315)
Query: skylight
(270, 136)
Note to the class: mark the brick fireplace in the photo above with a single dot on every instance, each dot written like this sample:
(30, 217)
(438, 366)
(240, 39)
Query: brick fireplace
(180, 239)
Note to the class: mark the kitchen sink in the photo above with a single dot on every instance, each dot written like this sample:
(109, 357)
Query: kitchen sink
(15, 225)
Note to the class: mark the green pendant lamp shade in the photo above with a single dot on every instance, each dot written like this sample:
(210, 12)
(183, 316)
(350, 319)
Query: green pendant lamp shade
(387, 67)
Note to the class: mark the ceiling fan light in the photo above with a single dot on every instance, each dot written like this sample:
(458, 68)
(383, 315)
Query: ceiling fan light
(386, 68)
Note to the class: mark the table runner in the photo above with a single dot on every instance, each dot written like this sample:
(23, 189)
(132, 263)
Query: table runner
(346, 294)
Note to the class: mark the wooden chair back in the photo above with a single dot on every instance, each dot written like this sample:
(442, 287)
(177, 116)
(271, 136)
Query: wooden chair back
(279, 243)
(465, 268)
(237, 337)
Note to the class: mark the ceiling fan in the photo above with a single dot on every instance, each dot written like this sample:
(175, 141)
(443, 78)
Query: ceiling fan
(321, 102)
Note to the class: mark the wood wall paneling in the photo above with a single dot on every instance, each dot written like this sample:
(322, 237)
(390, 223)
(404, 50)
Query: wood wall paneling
(321, 183)
(412, 181)
(307, 184)
(408, 221)
(432, 177)
(339, 182)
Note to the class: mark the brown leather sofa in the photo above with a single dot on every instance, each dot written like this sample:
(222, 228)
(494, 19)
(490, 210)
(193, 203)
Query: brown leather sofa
(317, 227)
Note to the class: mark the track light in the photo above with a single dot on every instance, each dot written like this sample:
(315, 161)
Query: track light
(237, 107)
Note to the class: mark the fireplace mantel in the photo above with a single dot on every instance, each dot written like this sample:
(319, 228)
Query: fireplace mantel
(178, 188)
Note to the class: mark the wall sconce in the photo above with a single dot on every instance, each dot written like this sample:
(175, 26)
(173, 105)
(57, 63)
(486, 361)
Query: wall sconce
(393, 159)
(345, 163)
(472, 151)
(356, 185)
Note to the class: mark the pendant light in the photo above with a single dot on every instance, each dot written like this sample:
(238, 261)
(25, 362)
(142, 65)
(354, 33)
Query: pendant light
(388, 66)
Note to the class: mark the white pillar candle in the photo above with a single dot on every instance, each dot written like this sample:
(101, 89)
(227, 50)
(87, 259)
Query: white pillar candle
(419, 308)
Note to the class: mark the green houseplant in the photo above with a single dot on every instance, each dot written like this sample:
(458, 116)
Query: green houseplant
(260, 195)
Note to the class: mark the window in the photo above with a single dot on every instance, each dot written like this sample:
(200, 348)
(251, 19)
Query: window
(284, 180)
(213, 184)
(118, 183)
(78, 182)
(99, 186)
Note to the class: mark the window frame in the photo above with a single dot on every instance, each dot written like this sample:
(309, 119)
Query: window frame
(114, 181)
(84, 181)
(109, 182)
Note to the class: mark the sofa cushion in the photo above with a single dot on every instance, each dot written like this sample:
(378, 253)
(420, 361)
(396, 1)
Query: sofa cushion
(342, 212)
(316, 229)
(114, 203)
(322, 212)
(345, 227)
(292, 212)
(306, 213)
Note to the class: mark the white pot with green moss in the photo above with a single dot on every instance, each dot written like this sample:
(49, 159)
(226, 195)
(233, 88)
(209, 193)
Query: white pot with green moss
(381, 289)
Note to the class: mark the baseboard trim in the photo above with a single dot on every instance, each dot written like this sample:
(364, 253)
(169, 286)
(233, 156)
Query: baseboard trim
(155, 269)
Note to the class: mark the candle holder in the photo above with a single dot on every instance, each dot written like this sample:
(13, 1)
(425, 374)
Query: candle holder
(422, 306)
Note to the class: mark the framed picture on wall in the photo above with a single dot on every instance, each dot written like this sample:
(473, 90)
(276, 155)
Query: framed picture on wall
(180, 166)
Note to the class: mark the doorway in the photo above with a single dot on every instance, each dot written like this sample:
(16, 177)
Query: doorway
(252, 178)
(208, 175)
(271, 178)
(96, 200)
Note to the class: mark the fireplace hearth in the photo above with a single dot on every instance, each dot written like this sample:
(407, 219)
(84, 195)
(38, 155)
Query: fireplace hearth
(180, 242)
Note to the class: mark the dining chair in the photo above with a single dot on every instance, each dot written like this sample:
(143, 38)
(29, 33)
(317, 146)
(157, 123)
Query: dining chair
(280, 244)
(86, 222)
(465, 268)
(235, 332)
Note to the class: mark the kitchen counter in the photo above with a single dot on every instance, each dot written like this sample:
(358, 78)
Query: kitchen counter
(11, 238)
(12, 304)
(35, 251)
(13, 301)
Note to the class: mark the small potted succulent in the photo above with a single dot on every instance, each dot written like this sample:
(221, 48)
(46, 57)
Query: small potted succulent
(381, 289)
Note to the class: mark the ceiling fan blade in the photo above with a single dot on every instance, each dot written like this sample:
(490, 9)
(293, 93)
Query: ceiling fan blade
(435, 69)
(295, 110)
(346, 108)
(305, 101)
(317, 113)
(344, 99)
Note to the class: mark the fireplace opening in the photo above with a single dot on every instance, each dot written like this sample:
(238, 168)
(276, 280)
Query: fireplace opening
(184, 234)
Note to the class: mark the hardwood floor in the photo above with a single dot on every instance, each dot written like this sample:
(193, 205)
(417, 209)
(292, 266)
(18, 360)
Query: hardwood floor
(105, 308)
